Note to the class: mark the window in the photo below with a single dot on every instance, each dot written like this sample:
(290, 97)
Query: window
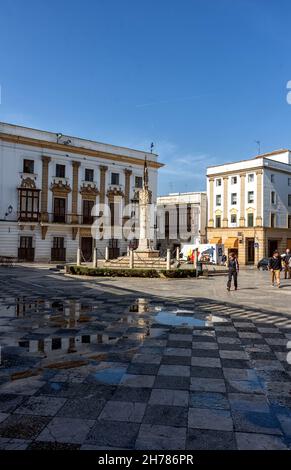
(87, 212)
(218, 221)
(233, 219)
(89, 174)
(233, 180)
(272, 178)
(250, 220)
(273, 220)
(138, 182)
(28, 205)
(28, 166)
(289, 221)
(234, 198)
(289, 181)
(218, 200)
(251, 178)
(273, 197)
(218, 182)
(289, 200)
(60, 171)
(114, 178)
(250, 197)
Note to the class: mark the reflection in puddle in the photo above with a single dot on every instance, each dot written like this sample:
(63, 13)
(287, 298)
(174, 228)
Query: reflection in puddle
(37, 332)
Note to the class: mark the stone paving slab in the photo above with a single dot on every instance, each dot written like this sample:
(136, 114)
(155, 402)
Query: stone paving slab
(117, 379)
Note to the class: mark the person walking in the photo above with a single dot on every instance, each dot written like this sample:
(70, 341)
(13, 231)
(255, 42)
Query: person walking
(287, 259)
(275, 266)
(233, 269)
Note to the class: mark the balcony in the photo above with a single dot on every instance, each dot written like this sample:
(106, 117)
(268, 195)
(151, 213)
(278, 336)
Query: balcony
(115, 190)
(69, 219)
(60, 184)
(25, 216)
(32, 176)
(89, 188)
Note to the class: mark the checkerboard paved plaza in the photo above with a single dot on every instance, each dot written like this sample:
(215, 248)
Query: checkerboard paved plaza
(85, 365)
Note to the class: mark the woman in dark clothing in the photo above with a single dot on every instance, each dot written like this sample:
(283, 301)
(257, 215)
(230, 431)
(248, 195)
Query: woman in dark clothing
(233, 269)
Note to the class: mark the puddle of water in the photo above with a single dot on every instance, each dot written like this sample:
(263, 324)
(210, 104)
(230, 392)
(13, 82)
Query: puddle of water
(54, 329)
(180, 317)
(111, 375)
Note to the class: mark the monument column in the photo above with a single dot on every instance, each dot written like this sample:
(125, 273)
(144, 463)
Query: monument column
(145, 199)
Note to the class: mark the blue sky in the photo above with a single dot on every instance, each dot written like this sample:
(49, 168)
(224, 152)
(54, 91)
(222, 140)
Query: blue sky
(202, 79)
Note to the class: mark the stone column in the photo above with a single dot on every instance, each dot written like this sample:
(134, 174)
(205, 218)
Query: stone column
(103, 170)
(75, 192)
(210, 203)
(242, 220)
(225, 202)
(128, 174)
(44, 188)
(259, 195)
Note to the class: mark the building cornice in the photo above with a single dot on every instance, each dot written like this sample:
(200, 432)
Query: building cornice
(255, 169)
(44, 144)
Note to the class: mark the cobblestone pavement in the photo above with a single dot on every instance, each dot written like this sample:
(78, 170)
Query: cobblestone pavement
(143, 364)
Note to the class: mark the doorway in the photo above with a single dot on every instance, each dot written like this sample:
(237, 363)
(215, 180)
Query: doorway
(58, 251)
(250, 250)
(272, 246)
(114, 250)
(59, 210)
(26, 250)
(86, 249)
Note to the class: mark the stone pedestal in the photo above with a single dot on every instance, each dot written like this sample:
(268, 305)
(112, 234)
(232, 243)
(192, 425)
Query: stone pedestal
(146, 253)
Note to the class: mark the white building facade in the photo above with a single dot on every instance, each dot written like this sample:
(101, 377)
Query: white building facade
(184, 216)
(49, 184)
(249, 205)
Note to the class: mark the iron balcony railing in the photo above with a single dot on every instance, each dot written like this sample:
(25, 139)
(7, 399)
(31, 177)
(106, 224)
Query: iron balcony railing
(71, 219)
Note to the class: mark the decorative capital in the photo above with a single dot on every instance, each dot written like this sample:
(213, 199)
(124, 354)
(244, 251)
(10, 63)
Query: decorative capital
(127, 172)
(145, 196)
(76, 164)
(103, 168)
(46, 159)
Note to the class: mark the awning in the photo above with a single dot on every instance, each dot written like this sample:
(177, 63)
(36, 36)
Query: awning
(215, 240)
(231, 242)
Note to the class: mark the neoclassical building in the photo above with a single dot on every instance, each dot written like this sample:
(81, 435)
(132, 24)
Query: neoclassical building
(49, 184)
(185, 218)
(249, 205)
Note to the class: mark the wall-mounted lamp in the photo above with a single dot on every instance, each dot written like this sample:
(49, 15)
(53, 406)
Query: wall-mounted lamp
(9, 210)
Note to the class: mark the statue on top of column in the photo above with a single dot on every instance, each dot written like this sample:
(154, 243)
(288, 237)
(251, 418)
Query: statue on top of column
(145, 175)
